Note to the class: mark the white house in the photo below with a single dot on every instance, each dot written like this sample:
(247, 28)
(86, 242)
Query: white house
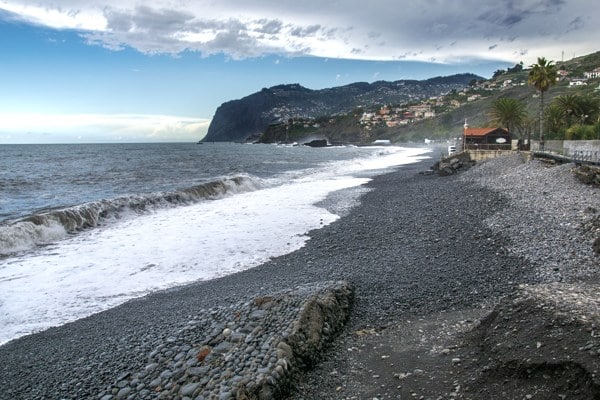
(577, 82)
(593, 74)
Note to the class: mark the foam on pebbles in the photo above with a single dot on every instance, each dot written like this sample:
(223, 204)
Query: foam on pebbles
(243, 351)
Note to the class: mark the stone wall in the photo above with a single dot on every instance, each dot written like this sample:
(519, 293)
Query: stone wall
(480, 155)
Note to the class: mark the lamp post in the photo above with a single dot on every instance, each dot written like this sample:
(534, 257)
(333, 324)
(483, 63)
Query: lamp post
(466, 126)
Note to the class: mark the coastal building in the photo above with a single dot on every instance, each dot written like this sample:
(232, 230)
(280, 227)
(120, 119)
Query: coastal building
(486, 138)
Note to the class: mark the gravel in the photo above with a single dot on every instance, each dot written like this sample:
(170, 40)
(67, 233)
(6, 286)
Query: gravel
(548, 211)
(416, 245)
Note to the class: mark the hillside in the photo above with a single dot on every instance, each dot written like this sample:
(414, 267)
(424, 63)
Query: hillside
(237, 120)
(400, 111)
(473, 104)
(476, 113)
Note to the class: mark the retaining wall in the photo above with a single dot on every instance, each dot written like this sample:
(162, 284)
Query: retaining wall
(480, 155)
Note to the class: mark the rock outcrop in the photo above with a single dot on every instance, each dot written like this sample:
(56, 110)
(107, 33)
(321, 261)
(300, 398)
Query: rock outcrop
(317, 143)
(453, 164)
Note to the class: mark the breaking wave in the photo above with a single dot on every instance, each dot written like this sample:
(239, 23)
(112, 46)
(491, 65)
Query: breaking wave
(51, 225)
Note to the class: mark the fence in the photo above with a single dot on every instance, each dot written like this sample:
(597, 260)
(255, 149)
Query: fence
(583, 151)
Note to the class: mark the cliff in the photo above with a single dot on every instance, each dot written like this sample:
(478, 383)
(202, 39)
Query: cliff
(237, 120)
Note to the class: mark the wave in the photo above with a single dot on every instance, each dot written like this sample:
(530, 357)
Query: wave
(51, 225)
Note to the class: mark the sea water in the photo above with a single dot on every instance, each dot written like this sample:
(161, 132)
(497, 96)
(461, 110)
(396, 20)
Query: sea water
(84, 228)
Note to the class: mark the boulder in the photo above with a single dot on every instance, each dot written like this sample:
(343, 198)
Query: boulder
(587, 174)
(453, 164)
(317, 143)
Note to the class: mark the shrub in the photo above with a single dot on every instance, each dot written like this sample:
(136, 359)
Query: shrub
(581, 132)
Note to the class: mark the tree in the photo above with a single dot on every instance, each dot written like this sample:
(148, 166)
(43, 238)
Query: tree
(571, 109)
(555, 121)
(498, 73)
(508, 112)
(542, 75)
(517, 68)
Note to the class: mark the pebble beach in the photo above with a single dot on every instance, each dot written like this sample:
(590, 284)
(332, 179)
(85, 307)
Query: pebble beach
(416, 246)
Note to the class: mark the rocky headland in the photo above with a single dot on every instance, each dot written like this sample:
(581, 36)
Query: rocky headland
(482, 284)
(248, 117)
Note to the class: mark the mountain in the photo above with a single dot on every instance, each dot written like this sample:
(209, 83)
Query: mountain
(237, 120)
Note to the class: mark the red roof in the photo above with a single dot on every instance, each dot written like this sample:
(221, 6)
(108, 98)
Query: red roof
(479, 131)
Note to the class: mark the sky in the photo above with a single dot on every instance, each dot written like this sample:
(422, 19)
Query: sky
(156, 70)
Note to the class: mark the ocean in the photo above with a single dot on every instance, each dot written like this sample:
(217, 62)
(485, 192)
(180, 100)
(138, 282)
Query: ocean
(86, 227)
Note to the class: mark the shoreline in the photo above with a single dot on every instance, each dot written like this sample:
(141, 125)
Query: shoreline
(416, 248)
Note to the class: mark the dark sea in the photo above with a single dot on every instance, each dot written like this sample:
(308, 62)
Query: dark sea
(85, 227)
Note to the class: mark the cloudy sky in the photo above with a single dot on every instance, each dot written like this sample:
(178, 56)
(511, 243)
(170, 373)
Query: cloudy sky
(156, 70)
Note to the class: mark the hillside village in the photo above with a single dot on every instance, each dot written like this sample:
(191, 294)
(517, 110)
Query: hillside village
(392, 116)
(441, 116)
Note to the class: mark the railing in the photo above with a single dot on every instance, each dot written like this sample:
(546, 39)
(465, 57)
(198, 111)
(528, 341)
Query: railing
(578, 157)
(586, 156)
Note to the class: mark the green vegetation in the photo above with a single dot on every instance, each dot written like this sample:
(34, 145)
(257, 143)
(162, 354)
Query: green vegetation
(573, 116)
(542, 75)
(508, 113)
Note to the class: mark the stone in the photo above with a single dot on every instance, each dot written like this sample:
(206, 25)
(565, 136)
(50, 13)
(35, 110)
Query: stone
(123, 393)
(197, 371)
(189, 389)
(223, 347)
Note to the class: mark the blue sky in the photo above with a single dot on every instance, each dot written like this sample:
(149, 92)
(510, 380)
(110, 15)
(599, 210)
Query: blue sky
(157, 70)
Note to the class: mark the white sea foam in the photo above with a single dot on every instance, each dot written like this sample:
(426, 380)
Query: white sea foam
(49, 226)
(101, 268)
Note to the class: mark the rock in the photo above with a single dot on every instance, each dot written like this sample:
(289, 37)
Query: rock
(285, 350)
(317, 143)
(223, 347)
(587, 174)
(204, 351)
(452, 164)
(198, 371)
(123, 393)
(596, 246)
(189, 389)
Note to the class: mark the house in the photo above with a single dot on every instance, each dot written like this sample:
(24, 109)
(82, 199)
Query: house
(486, 137)
(578, 82)
(384, 110)
(592, 74)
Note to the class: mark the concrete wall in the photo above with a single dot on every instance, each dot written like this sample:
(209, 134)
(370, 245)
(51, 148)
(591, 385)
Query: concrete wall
(579, 150)
(480, 155)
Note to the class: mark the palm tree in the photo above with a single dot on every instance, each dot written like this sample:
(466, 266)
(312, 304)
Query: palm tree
(574, 109)
(542, 75)
(570, 107)
(555, 121)
(508, 112)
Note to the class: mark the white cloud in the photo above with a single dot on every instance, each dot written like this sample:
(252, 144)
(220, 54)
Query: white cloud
(23, 128)
(436, 30)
